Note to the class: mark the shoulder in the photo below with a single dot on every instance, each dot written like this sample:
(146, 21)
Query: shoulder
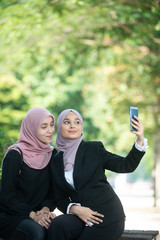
(56, 155)
(91, 145)
(12, 158)
(13, 154)
(54, 152)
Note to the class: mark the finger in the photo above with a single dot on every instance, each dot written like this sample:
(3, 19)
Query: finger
(135, 126)
(88, 223)
(47, 220)
(138, 125)
(38, 213)
(95, 222)
(96, 219)
(44, 224)
(41, 224)
(138, 128)
(52, 215)
(134, 132)
(135, 122)
(97, 214)
(135, 117)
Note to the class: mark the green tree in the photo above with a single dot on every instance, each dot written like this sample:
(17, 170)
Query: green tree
(99, 57)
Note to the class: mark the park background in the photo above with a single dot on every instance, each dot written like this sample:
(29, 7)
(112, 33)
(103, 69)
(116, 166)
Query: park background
(98, 57)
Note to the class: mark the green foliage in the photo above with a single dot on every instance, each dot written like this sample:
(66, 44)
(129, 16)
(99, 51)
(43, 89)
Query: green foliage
(5, 142)
(98, 57)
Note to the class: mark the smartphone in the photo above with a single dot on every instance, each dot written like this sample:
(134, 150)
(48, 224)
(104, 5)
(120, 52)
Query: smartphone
(133, 112)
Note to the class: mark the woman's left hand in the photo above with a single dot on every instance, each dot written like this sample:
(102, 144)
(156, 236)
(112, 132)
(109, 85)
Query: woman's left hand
(41, 219)
(44, 210)
(137, 124)
(87, 215)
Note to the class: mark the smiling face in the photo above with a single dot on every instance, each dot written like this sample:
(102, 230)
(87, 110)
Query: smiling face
(71, 126)
(46, 130)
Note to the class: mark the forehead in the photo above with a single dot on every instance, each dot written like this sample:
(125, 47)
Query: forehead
(47, 120)
(71, 115)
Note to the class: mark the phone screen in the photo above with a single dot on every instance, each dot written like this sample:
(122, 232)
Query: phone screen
(133, 112)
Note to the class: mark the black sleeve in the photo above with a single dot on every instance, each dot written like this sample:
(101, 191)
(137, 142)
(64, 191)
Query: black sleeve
(50, 200)
(61, 199)
(118, 163)
(10, 174)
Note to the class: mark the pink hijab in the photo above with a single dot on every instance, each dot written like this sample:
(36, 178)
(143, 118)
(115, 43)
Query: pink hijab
(68, 146)
(36, 154)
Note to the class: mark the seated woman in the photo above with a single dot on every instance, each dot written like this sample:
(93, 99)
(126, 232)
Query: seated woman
(78, 173)
(25, 186)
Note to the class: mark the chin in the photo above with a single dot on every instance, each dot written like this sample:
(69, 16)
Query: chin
(47, 142)
(73, 137)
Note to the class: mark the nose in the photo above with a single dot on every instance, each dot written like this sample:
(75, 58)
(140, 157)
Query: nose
(51, 129)
(72, 125)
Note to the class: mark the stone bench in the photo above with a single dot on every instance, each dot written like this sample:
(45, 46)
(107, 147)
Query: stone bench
(136, 235)
(139, 235)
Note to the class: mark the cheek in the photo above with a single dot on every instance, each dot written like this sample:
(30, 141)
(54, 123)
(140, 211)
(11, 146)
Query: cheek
(41, 134)
(80, 128)
(53, 129)
(63, 130)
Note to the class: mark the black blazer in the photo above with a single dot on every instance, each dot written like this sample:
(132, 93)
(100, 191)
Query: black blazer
(91, 186)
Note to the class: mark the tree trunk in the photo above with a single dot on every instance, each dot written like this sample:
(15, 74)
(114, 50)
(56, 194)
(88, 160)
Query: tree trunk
(156, 146)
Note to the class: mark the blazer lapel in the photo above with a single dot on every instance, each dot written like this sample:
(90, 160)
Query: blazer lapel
(77, 167)
(60, 166)
(60, 172)
(77, 177)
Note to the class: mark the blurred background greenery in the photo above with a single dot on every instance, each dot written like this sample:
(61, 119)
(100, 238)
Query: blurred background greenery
(98, 57)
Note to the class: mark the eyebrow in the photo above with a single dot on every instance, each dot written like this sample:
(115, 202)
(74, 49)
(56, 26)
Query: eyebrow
(47, 123)
(70, 119)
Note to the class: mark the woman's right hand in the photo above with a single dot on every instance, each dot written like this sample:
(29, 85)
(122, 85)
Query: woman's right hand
(42, 219)
(86, 215)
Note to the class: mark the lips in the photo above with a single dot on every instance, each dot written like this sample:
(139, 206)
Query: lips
(72, 131)
(49, 136)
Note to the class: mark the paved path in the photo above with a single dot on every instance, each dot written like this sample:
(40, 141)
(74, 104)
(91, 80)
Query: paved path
(140, 213)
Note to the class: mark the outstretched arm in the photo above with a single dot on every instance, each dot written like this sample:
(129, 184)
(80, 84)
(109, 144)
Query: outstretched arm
(129, 163)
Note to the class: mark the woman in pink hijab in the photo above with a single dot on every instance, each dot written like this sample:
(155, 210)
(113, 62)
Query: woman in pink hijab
(25, 183)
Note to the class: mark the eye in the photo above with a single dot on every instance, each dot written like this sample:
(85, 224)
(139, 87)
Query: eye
(66, 122)
(77, 122)
(43, 127)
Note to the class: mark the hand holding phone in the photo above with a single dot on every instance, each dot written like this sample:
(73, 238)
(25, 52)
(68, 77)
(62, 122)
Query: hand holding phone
(133, 112)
